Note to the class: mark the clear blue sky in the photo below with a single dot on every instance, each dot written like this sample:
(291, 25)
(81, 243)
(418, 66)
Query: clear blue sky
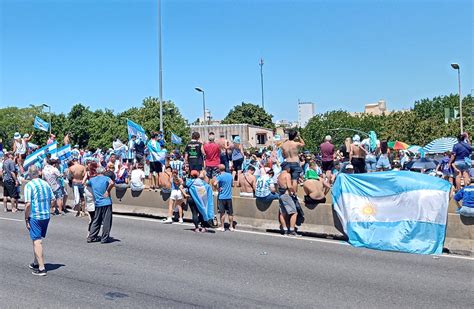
(338, 54)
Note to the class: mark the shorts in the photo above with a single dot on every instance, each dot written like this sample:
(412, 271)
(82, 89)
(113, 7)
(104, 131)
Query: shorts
(269, 198)
(9, 189)
(359, 165)
(78, 189)
(246, 194)
(327, 166)
(310, 201)
(212, 171)
(38, 228)
(156, 167)
(197, 167)
(466, 211)
(383, 163)
(176, 195)
(295, 170)
(225, 206)
(287, 205)
(370, 163)
(59, 193)
(237, 164)
(462, 166)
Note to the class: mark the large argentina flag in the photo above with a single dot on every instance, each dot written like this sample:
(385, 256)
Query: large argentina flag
(40, 124)
(395, 210)
(39, 154)
(201, 192)
(136, 129)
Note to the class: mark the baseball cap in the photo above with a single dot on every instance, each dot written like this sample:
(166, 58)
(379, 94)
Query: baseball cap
(194, 173)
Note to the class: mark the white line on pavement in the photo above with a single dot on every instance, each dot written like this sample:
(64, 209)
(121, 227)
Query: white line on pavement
(11, 219)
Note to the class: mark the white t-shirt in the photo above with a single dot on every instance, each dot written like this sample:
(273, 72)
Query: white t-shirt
(136, 178)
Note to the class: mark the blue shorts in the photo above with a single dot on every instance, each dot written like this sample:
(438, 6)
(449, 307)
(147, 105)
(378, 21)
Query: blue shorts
(38, 228)
(383, 162)
(59, 193)
(466, 211)
(462, 166)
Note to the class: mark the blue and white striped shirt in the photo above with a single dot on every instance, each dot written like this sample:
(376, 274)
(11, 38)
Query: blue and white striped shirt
(178, 166)
(40, 195)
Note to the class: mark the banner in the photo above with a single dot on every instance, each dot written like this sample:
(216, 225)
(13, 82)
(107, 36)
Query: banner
(135, 129)
(40, 124)
(39, 154)
(62, 154)
(395, 210)
(175, 139)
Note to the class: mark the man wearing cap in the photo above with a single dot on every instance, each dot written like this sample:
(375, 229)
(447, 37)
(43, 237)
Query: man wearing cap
(10, 182)
(327, 153)
(212, 156)
(315, 188)
(357, 155)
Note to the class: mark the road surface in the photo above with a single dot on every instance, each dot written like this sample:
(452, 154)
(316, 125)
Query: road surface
(157, 265)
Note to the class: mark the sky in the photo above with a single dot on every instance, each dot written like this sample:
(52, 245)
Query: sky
(337, 54)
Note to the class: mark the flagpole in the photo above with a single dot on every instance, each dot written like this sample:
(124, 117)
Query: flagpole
(161, 68)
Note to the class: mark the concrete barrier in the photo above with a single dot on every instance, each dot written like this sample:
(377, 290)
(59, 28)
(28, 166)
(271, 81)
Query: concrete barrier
(321, 220)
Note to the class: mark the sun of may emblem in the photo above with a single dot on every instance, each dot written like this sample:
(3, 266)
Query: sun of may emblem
(368, 209)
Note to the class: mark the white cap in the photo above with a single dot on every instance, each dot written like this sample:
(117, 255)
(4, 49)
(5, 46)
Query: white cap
(328, 138)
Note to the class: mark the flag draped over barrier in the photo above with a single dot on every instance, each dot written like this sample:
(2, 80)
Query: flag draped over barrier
(396, 211)
(201, 193)
(40, 124)
(39, 154)
(137, 130)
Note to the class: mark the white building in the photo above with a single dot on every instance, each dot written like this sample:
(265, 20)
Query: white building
(305, 113)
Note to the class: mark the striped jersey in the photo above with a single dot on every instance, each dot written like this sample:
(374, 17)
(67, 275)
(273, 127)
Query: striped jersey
(39, 194)
(178, 166)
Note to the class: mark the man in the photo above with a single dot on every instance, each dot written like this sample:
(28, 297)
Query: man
(193, 153)
(290, 150)
(53, 177)
(38, 199)
(315, 188)
(247, 182)
(156, 167)
(357, 155)
(212, 155)
(131, 151)
(327, 153)
(265, 186)
(139, 150)
(177, 164)
(466, 194)
(224, 147)
(10, 182)
(461, 159)
(79, 177)
(288, 211)
(101, 186)
(165, 180)
(52, 139)
(223, 182)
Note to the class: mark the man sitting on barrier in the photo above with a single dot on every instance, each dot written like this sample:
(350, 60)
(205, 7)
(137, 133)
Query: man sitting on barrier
(246, 182)
(265, 187)
(315, 188)
(466, 194)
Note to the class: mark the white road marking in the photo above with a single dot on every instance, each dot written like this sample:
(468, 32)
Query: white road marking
(311, 239)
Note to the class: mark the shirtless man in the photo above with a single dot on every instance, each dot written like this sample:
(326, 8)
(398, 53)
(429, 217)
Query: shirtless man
(357, 155)
(79, 177)
(315, 188)
(165, 180)
(224, 146)
(247, 182)
(290, 150)
(288, 212)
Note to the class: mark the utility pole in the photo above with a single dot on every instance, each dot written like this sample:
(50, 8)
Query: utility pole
(261, 81)
(161, 68)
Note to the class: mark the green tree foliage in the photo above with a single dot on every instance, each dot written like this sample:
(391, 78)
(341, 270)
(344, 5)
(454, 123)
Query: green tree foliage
(251, 114)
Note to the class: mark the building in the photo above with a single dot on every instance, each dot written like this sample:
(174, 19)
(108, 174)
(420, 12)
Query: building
(305, 113)
(378, 108)
(250, 135)
(286, 124)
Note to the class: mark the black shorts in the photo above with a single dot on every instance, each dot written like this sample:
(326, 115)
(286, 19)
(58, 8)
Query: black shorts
(327, 166)
(295, 170)
(197, 167)
(237, 164)
(225, 206)
(9, 189)
(156, 167)
(310, 201)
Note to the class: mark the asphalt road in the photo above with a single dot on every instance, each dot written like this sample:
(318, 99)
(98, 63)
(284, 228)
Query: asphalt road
(157, 265)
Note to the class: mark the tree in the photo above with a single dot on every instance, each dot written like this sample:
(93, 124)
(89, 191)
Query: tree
(251, 114)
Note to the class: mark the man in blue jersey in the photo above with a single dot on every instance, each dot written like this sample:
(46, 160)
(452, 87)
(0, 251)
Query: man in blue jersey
(154, 150)
(466, 194)
(38, 199)
(224, 182)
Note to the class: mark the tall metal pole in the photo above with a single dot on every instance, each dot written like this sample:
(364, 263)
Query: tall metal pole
(204, 107)
(261, 81)
(161, 67)
(49, 112)
(460, 101)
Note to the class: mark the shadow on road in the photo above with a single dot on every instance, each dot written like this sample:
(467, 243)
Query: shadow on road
(50, 267)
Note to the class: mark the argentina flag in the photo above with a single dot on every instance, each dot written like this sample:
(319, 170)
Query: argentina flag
(137, 130)
(175, 139)
(39, 154)
(395, 211)
(40, 124)
(63, 153)
(201, 192)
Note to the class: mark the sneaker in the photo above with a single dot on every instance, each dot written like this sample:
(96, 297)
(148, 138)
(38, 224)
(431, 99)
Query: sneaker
(221, 229)
(168, 220)
(91, 240)
(33, 266)
(180, 221)
(63, 213)
(231, 229)
(105, 241)
(293, 234)
(38, 272)
(203, 230)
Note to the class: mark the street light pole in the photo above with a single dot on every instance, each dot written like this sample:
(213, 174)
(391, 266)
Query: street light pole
(49, 114)
(261, 81)
(161, 68)
(203, 103)
(457, 67)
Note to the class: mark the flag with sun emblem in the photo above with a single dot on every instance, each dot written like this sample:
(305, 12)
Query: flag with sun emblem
(395, 210)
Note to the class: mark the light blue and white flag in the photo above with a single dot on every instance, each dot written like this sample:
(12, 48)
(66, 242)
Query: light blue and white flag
(175, 139)
(39, 154)
(201, 192)
(137, 130)
(395, 210)
(62, 154)
(40, 124)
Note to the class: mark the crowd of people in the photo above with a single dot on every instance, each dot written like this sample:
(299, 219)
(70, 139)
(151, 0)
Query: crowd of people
(214, 167)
